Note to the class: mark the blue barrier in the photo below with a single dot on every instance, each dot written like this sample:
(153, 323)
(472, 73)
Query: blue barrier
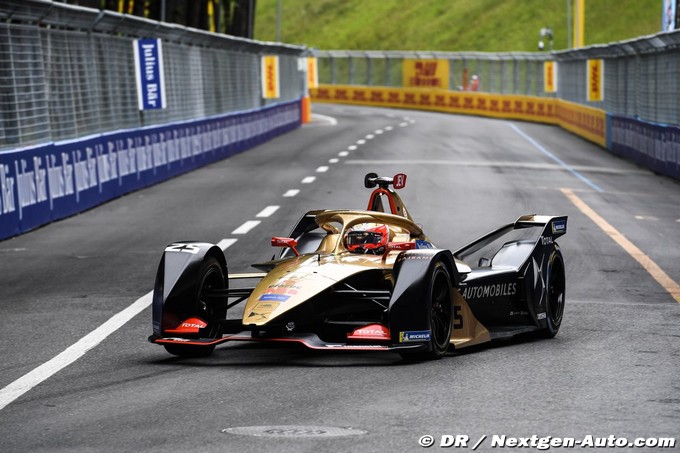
(655, 146)
(52, 181)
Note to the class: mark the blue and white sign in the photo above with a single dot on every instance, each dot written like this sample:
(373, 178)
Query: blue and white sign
(48, 182)
(149, 73)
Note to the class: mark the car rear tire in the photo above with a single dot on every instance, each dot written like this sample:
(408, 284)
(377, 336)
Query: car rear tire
(212, 310)
(556, 296)
(440, 295)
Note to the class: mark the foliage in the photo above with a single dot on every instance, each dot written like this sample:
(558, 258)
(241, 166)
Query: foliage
(449, 25)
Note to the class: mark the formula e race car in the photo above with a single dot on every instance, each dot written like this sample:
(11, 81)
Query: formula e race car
(367, 280)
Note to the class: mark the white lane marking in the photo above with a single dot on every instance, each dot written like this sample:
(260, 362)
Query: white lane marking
(246, 227)
(370, 137)
(308, 180)
(72, 353)
(412, 121)
(403, 124)
(19, 249)
(291, 193)
(333, 160)
(352, 147)
(389, 128)
(78, 349)
(646, 217)
(329, 120)
(322, 169)
(378, 131)
(547, 152)
(343, 154)
(361, 142)
(268, 211)
(224, 244)
(500, 164)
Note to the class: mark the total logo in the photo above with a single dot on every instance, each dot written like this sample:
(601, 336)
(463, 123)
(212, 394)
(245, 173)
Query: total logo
(412, 336)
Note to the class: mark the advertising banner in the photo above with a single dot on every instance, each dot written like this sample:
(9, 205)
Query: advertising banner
(425, 73)
(149, 73)
(595, 80)
(550, 76)
(270, 77)
(312, 73)
(49, 182)
(654, 146)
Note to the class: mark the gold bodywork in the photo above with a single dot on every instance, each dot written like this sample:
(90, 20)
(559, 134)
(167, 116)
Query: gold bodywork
(295, 280)
(282, 289)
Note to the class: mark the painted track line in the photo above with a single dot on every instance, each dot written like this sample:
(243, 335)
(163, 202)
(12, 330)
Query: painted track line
(638, 255)
(246, 227)
(291, 193)
(545, 151)
(72, 353)
(268, 211)
(31, 379)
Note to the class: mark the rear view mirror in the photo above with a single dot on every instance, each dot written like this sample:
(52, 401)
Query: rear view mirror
(285, 242)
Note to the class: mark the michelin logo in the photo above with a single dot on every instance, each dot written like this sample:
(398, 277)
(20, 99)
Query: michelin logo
(414, 336)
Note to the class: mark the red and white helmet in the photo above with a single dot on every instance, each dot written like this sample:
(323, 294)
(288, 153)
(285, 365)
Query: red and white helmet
(367, 238)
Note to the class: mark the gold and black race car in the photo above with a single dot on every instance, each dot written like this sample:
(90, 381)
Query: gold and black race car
(367, 280)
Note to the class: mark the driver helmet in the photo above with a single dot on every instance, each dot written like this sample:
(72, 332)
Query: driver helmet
(367, 238)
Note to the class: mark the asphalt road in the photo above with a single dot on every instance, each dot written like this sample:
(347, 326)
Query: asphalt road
(612, 370)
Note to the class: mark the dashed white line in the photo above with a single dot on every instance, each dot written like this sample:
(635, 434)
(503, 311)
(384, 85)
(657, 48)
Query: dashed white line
(389, 128)
(343, 154)
(403, 124)
(378, 132)
(370, 137)
(361, 142)
(224, 244)
(308, 180)
(291, 193)
(333, 160)
(352, 147)
(246, 227)
(322, 169)
(268, 211)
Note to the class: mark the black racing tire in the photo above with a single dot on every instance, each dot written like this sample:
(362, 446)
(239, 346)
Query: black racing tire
(211, 310)
(554, 306)
(440, 305)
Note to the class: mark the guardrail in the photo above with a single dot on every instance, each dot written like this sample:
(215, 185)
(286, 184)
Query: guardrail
(623, 96)
(72, 134)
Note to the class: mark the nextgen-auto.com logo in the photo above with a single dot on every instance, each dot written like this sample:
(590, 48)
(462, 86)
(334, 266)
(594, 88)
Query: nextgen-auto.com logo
(546, 442)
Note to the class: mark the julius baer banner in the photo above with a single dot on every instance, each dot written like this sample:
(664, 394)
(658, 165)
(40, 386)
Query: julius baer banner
(53, 181)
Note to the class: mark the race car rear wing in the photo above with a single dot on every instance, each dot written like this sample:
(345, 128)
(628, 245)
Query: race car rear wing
(551, 227)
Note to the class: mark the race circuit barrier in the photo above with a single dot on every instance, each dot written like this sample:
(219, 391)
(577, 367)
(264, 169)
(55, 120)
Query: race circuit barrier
(655, 146)
(41, 184)
(587, 122)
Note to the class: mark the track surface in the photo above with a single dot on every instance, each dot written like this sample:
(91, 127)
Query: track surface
(612, 370)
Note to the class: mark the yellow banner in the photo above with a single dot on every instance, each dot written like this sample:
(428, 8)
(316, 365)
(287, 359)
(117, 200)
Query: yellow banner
(312, 73)
(270, 77)
(425, 74)
(550, 76)
(595, 80)
(587, 122)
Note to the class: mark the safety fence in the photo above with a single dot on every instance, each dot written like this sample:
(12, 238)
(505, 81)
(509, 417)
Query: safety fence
(72, 134)
(623, 96)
